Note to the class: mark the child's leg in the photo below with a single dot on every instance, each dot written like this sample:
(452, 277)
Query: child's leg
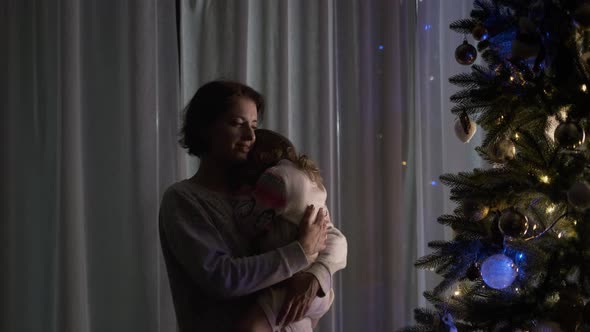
(254, 321)
(271, 300)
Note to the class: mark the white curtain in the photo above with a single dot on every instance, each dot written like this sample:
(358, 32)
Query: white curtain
(361, 86)
(90, 100)
(89, 106)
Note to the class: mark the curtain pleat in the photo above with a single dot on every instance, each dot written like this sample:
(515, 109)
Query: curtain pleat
(89, 117)
(91, 95)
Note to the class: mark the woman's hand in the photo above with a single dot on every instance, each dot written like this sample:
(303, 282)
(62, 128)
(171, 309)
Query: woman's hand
(313, 231)
(301, 290)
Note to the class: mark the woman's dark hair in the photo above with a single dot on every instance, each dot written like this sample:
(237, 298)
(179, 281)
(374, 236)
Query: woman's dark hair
(210, 102)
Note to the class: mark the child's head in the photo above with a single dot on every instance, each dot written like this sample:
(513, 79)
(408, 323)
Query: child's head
(271, 147)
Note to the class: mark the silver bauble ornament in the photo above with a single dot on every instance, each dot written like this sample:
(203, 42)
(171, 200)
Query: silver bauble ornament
(513, 223)
(502, 151)
(582, 16)
(465, 128)
(569, 135)
(465, 53)
(579, 195)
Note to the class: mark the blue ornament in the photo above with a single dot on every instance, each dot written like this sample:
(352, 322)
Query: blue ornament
(498, 271)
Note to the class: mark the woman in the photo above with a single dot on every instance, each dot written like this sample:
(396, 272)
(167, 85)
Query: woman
(213, 276)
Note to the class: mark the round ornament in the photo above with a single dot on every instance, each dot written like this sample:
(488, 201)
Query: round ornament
(502, 151)
(569, 135)
(513, 223)
(465, 128)
(579, 195)
(498, 271)
(465, 53)
(582, 15)
(479, 33)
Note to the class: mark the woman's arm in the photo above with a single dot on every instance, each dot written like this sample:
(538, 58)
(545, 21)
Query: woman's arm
(197, 245)
(303, 287)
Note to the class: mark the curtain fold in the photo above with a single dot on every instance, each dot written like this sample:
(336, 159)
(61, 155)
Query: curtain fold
(360, 86)
(90, 116)
(91, 101)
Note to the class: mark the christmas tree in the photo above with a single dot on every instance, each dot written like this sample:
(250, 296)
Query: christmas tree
(520, 256)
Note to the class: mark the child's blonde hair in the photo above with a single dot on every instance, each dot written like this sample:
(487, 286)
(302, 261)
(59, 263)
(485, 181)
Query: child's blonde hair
(271, 147)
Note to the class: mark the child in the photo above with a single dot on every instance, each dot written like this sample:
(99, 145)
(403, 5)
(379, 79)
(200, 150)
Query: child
(282, 185)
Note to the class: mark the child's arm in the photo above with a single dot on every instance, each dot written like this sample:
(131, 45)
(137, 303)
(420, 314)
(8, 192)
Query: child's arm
(331, 259)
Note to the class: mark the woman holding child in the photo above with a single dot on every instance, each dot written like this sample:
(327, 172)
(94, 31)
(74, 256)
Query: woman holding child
(219, 279)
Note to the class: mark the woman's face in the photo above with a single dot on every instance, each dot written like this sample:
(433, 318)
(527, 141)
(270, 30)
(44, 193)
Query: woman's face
(232, 136)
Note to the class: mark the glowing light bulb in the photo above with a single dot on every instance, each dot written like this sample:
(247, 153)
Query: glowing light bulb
(511, 78)
(584, 87)
(404, 163)
(516, 136)
(544, 179)
(550, 208)
(457, 293)
(559, 235)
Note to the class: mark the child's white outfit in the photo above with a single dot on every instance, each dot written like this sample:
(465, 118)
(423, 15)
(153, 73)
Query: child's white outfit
(277, 205)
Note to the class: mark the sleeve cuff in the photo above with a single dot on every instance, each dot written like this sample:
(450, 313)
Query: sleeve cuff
(323, 275)
(293, 257)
